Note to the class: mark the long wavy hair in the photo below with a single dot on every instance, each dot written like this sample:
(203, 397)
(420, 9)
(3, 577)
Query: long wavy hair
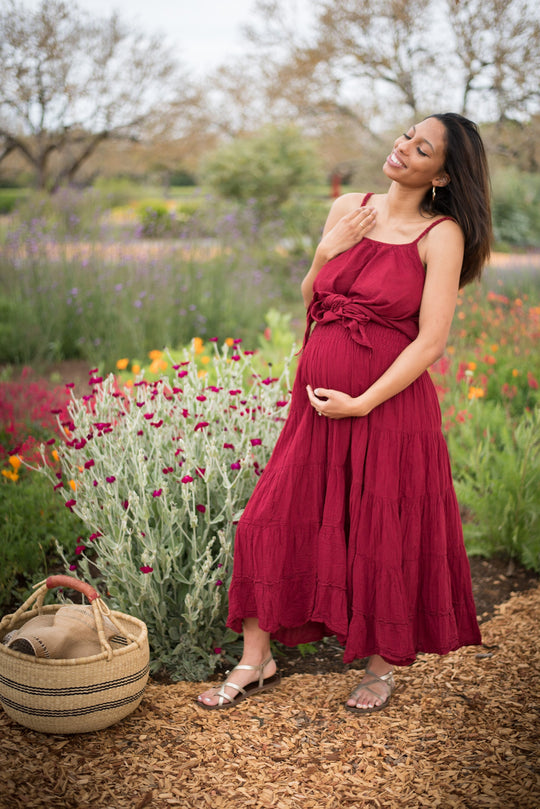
(466, 198)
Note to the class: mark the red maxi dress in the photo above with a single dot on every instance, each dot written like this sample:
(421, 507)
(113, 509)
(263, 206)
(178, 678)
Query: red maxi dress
(353, 529)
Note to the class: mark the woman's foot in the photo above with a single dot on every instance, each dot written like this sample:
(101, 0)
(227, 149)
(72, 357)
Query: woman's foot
(376, 688)
(246, 679)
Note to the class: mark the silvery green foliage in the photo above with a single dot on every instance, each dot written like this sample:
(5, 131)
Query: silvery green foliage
(160, 474)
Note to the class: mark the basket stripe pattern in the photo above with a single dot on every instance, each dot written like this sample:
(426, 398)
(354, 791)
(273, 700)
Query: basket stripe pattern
(76, 695)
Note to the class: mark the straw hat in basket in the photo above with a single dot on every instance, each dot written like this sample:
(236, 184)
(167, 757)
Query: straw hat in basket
(70, 668)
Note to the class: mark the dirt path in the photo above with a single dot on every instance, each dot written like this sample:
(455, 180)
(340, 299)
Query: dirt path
(462, 732)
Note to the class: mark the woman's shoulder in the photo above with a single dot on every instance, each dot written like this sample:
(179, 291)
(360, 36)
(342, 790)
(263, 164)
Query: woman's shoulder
(349, 202)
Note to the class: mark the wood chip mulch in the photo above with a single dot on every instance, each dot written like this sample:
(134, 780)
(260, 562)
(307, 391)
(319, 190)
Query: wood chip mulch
(461, 732)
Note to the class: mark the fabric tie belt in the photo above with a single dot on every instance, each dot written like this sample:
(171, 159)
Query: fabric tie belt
(353, 315)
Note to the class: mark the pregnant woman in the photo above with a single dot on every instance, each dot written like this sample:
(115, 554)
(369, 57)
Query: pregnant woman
(353, 529)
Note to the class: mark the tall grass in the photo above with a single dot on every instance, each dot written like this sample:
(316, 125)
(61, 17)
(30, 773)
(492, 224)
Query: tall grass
(77, 283)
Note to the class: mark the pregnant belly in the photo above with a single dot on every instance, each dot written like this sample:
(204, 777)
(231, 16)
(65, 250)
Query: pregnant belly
(332, 359)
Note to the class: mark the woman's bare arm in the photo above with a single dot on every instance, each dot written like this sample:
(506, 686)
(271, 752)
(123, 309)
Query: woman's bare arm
(345, 226)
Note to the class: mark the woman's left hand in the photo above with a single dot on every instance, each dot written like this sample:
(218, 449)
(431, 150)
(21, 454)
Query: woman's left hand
(334, 404)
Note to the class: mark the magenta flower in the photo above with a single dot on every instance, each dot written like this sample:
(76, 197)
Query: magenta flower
(228, 446)
(156, 423)
(218, 650)
(235, 465)
(219, 583)
(201, 425)
(167, 469)
(201, 398)
(70, 503)
(157, 492)
(146, 569)
(200, 471)
(79, 549)
(234, 392)
(58, 486)
(73, 567)
(110, 479)
(187, 479)
(182, 373)
(212, 339)
(281, 404)
(89, 464)
(256, 442)
(125, 505)
(201, 508)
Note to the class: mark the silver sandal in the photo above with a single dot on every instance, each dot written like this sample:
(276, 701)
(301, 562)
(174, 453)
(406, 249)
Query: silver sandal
(386, 679)
(262, 684)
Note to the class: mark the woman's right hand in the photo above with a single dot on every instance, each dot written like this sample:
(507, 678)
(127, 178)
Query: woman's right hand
(348, 231)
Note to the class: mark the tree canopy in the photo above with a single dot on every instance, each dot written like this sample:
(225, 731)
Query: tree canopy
(69, 80)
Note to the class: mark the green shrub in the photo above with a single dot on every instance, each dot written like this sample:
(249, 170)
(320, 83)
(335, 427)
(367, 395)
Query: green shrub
(266, 167)
(160, 477)
(32, 522)
(516, 208)
(496, 465)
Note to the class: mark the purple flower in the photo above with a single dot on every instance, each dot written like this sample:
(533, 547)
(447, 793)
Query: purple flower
(235, 465)
(219, 583)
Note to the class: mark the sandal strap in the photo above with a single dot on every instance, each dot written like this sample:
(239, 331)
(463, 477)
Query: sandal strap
(245, 667)
(382, 677)
(386, 679)
(222, 694)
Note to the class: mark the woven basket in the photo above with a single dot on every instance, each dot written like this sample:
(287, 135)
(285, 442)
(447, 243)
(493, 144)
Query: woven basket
(80, 694)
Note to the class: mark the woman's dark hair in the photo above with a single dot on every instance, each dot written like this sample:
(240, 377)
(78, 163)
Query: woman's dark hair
(466, 198)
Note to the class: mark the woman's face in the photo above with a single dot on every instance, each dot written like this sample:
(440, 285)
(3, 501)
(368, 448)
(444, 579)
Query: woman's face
(417, 159)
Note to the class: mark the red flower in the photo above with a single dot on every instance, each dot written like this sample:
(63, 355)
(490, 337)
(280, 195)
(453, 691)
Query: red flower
(201, 508)
(187, 479)
(255, 442)
(146, 569)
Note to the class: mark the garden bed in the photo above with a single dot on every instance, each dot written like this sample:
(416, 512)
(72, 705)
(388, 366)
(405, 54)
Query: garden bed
(461, 733)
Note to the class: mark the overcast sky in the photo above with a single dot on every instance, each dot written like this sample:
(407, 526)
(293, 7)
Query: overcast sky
(206, 32)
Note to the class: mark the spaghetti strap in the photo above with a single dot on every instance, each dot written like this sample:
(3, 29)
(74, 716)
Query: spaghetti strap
(426, 231)
(366, 197)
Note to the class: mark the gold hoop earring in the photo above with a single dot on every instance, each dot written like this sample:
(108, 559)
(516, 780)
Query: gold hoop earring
(433, 193)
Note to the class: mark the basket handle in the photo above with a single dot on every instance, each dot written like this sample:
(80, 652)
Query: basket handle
(75, 584)
(98, 607)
